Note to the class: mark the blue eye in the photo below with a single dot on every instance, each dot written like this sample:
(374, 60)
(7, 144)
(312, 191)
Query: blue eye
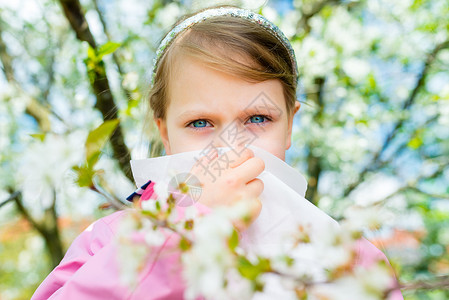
(257, 118)
(200, 123)
(260, 120)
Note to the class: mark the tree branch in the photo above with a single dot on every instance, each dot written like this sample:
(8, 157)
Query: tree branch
(314, 165)
(11, 197)
(26, 214)
(100, 84)
(303, 23)
(5, 58)
(50, 76)
(47, 228)
(75, 16)
(52, 233)
(431, 195)
(412, 185)
(399, 124)
(439, 282)
(111, 200)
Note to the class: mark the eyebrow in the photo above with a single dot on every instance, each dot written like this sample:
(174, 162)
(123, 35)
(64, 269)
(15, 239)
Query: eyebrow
(266, 109)
(194, 113)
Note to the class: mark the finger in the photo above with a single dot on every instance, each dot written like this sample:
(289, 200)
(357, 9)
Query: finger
(255, 187)
(248, 170)
(256, 207)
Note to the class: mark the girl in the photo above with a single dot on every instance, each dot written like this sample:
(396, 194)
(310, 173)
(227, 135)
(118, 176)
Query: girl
(222, 77)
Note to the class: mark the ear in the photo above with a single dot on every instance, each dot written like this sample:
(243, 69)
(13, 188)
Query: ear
(162, 126)
(288, 142)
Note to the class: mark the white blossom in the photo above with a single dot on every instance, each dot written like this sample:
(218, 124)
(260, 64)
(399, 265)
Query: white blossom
(154, 237)
(371, 217)
(318, 58)
(190, 212)
(45, 169)
(161, 190)
(150, 205)
(356, 68)
(168, 15)
(205, 265)
(130, 81)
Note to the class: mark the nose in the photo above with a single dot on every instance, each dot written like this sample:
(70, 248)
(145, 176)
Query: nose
(233, 135)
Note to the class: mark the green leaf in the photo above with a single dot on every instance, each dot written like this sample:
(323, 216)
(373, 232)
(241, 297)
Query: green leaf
(416, 141)
(289, 261)
(250, 271)
(108, 48)
(97, 138)
(38, 136)
(93, 159)
(372, 84)
(326, 12)
(91, 54)
(233, 240)
(184, 244)
(416, 4)
(132, 103)
(84, 175)
(246, 268)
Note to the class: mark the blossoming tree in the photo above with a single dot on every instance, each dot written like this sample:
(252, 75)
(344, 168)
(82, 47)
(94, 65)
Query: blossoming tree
(371, 135)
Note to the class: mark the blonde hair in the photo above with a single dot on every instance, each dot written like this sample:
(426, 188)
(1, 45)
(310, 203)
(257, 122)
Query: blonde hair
(270, 59)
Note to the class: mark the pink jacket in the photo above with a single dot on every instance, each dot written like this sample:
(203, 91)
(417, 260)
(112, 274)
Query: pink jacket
(89, 269)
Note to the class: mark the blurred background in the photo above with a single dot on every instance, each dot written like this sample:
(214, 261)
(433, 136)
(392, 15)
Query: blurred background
(373, 128)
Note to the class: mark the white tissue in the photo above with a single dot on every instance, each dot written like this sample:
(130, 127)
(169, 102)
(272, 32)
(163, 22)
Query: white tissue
(283, 204)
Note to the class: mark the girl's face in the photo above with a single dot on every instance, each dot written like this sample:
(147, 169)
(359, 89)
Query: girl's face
(209, 108)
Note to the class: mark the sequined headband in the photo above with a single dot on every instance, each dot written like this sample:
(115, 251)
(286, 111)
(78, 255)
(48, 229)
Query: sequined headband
(224, 11)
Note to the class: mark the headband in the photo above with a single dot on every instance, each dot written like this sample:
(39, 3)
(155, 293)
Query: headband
(225, 11)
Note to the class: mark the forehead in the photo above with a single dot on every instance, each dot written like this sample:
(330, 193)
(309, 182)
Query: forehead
(196, 85)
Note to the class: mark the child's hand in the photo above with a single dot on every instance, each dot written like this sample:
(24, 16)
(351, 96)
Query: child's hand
(235, 183)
